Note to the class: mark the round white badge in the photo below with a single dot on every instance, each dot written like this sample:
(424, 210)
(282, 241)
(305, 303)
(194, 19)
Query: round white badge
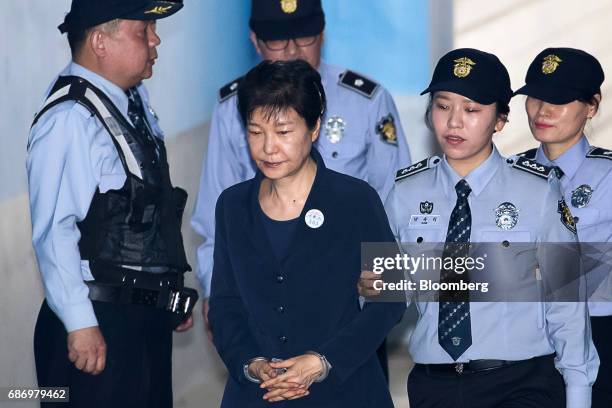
(314, 218)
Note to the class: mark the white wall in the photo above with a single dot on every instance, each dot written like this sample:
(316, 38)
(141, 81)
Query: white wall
(517, 30)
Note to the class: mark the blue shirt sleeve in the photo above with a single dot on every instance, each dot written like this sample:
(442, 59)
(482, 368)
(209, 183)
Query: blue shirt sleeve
(64, 167)
(220, 170)
(384, 158)
(567, 321)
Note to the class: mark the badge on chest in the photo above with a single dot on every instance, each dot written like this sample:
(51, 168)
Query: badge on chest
(425, 218)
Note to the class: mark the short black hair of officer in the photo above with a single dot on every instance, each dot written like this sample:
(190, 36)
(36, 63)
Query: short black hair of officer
(563, 75)
(280, 85)
(85, 14)
(283, 19)
(477, 75)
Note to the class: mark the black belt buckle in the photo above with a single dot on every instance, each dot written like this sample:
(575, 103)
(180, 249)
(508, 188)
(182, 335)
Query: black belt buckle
(459, 368)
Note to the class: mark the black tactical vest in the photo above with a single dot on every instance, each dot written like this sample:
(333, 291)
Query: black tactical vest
(139, 224)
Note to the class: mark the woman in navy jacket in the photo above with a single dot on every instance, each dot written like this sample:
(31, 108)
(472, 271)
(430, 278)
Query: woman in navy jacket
(287, 260)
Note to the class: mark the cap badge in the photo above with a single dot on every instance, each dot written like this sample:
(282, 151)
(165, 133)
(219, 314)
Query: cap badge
(158, 10)
(550, 64)
(463, 67)
(334, 129)
(289, 6)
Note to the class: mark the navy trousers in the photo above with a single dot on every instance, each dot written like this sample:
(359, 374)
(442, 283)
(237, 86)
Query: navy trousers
(138, 371)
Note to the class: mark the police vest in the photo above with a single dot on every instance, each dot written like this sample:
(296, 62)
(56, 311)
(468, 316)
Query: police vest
(138, 225)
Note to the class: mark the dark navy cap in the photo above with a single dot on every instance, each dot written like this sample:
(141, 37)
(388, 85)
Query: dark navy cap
(89, 13)
(563, 75)
(283, 19)
(474, 74)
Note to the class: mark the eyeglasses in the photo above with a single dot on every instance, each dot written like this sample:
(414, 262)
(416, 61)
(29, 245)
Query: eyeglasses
(279, 45)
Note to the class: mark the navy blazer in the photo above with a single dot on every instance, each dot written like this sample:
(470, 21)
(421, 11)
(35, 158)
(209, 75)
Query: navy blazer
(316, 285)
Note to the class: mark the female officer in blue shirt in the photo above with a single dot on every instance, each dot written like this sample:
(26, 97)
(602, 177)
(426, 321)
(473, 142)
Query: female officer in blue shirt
(563, 88)
(287, 260)
(494, 353)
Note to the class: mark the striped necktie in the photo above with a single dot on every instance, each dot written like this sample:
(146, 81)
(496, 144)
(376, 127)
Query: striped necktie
(454, 326)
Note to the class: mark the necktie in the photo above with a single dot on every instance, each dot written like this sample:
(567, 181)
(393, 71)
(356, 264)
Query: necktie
(137, 116)
(454, 327)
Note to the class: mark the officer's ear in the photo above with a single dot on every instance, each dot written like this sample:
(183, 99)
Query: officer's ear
(253, 38)
(593, 105)
(97, 42)
(501, 121)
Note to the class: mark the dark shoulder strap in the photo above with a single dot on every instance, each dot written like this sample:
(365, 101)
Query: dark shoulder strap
(73, 88)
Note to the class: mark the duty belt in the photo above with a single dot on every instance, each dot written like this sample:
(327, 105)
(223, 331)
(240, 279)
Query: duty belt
(164, 291)
(477, 366)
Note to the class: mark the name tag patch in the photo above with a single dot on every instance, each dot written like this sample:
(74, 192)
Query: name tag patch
(424, 220)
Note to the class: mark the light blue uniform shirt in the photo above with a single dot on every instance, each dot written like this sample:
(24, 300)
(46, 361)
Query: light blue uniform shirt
(361, 152)
(500, 330)
(595, 218)
(70, 155)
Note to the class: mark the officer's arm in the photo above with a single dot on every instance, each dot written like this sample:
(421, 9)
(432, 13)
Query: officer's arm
(62, 183)
(373, 323)
(228, 316)
(567, 317)
(220, 170)
(388, 150)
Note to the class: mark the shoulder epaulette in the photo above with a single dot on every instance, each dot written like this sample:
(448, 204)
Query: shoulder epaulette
(529, 154)
(415, 168)
(600, 153)
(358, 83)
(532, 166)
(229, 89)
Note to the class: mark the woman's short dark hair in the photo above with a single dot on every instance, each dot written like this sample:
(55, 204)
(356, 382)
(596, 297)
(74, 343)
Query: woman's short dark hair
(280, 85)
(502, 109)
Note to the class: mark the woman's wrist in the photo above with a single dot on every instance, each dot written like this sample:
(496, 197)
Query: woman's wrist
(252, 377)
(325, 365)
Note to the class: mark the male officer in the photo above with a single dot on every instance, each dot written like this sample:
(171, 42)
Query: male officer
(361, 136)
(105, 217)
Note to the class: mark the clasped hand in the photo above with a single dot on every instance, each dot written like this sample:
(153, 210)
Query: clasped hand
(301, 372)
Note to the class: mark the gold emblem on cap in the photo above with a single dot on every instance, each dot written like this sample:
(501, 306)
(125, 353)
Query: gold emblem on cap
(550, 64)
(158, 10)
(289, 6)
(463, 67)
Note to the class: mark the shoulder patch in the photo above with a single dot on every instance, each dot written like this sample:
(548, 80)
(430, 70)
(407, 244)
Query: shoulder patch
(416, 168)
(358, 83)
(529, 154)
(600, 153)
(567, 218)
(532, 166)
(229, 89)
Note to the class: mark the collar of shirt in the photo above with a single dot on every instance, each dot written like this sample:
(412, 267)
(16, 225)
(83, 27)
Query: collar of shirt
(116, 94)
(477, 178)
(570, 161)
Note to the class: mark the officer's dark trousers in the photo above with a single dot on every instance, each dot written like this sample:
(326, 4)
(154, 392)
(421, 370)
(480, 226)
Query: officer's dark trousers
(531, 384)
(138, 362)
(602, 338)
